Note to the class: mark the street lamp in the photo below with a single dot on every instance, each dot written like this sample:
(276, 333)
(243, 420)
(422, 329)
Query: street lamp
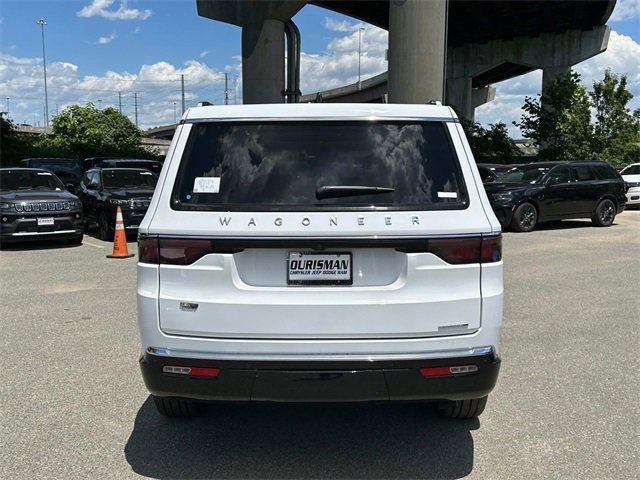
(360, 30)
(174, 113)
(42, 23)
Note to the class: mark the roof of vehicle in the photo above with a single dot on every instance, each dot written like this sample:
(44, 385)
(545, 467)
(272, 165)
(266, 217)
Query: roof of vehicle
(120, 168)
(320, 111)
(50, 158)
(6, 169)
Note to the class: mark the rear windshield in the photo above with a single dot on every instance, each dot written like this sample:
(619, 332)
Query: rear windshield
(65, 167)
(128, 179)
(283, 165)
(29, 180)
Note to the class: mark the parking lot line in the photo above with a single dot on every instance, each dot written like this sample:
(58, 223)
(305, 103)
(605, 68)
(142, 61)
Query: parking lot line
(92, 244)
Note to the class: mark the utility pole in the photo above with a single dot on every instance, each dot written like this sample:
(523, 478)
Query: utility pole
(182, 81)
(42, 22)
(175, 120)
(120, 102)
(135, 106)
(226, 88)
(360, 30)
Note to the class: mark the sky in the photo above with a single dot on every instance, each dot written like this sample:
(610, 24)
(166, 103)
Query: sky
(97, 50)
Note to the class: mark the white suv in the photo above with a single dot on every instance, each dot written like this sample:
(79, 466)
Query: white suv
(320, 252)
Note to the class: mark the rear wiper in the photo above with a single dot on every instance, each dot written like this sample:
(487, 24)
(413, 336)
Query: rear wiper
(333, 191)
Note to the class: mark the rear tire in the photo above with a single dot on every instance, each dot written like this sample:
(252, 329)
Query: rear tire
(605, 213)
(471, 408)
(177, 408)
(524, 218)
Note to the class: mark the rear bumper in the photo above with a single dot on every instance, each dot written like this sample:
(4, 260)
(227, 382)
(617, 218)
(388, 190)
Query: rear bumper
(321, 381)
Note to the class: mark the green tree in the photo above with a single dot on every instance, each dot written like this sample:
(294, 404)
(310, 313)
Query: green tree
(87, 131)
(559, 121)
(616, 136)
(493, 144)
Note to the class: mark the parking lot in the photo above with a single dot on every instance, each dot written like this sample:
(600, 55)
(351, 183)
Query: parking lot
(73, 405)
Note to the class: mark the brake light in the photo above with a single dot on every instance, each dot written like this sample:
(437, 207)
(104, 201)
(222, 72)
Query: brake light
(491, 250)
(183, 251)
(148, 249)
(467, 249)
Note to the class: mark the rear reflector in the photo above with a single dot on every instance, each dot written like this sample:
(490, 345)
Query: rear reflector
(448, 371)
(201, 372)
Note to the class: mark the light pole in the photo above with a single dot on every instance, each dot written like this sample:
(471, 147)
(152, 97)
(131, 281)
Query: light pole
(174, 113)
(360, 30)
(42, 23)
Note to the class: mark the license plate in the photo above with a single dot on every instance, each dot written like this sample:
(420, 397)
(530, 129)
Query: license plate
(319, 268)
(45, 221)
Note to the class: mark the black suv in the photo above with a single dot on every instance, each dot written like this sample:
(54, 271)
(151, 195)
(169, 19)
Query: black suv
(34, 204)
(108, 162)
(103, 190)
(69, 170)
(538, 192)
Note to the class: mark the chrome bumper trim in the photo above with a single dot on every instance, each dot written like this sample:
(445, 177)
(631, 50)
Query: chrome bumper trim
(177, 353)
(29, 234)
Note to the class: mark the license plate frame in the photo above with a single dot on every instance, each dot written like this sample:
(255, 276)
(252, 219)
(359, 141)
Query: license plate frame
(319, 281)
(46, 221)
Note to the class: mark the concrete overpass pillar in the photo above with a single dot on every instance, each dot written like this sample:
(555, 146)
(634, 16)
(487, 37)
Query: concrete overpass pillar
(263, 62)
(417, 48)
(549, 74)
(460, 96)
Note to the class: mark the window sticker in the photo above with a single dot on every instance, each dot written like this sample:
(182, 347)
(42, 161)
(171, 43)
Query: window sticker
(447, 195)
(206, 185)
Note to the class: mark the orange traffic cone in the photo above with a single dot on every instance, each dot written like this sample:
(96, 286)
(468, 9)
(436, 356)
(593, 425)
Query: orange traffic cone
(120, 249)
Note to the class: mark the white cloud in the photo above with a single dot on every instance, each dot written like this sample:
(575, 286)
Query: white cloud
(101, 8)
(204, 53)
(157, 86)
(108, 39)
(338, 65)
(621, 56)
(339, 25)
(626, 10)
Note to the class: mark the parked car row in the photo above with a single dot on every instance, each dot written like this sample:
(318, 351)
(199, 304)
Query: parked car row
(58, 200)
(526, 195)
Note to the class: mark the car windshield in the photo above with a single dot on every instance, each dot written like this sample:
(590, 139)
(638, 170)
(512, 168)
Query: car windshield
(116, 178)
(322, 164)
(524, 174)
(65, 168)
(29, 180)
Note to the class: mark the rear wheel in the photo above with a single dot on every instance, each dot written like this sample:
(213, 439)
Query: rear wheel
(524, 218)
(105, 231)
(177, 408)
(604, 214)
(470, 408)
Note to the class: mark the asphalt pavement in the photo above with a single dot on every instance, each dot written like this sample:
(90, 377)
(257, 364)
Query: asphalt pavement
(73, 405)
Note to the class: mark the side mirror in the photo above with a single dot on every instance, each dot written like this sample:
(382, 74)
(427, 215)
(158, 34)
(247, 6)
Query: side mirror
(71, 188)
(551, 181)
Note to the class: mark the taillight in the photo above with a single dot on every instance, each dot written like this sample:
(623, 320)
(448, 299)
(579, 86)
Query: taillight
(467, 249)
(491, 250)
(456, 250)
(148, 249)
(177, 251)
